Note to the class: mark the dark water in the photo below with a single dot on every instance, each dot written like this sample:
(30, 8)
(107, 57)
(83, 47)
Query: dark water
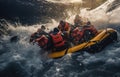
(36, 11)
(22, 59)
(31, 11)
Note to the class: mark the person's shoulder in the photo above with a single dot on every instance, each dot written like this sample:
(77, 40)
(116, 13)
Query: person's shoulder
(85, 26)
(92, 25)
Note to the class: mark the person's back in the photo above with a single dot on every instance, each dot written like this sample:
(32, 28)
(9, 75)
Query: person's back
(65, 28)
(77, 35)
(42, 41)
(58, 40)
(90, 27)
(38, 33)
(78, 21)
(89, 31)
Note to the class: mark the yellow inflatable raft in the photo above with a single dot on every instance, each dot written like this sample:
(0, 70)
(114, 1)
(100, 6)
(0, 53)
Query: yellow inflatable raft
(96, 44)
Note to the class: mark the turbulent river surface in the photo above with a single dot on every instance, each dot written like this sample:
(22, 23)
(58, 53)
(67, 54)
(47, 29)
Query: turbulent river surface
(19, 58)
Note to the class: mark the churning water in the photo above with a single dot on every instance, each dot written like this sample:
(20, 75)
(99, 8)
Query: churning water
(22, 59)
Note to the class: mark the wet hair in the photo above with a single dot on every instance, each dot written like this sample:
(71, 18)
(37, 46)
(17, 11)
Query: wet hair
(62, 22)
(88, 23)
(43, 27)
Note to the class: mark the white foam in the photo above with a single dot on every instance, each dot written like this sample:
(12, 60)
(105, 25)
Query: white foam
(65, 1)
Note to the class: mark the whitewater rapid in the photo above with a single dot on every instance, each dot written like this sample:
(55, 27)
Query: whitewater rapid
(24, 59)
(65, 1)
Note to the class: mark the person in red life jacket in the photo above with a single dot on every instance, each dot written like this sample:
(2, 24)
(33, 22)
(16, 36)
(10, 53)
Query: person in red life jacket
(89, 31)
(40, 31)
(77, 36)
(58, 40)
(42, 41)
(78, 21)
(65, 28)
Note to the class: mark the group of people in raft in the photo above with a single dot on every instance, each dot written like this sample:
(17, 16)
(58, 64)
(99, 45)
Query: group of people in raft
(62, 36)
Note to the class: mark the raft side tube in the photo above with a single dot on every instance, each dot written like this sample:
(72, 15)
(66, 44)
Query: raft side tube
(101, 40)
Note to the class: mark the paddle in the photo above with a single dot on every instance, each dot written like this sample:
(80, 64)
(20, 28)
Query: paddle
(66, 51)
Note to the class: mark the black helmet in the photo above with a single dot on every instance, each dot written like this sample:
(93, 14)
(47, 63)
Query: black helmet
(43, 27)
(56, 30)
(62, 22)
(88, 23)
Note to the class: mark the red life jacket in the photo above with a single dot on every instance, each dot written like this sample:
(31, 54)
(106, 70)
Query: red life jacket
(58, 40)
(42, 41)
(65, 28)
(77, 34)
(92, 29)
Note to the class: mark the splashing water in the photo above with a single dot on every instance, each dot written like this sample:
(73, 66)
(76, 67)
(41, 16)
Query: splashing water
(99, 16)
(27, 56)
(65, 1)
